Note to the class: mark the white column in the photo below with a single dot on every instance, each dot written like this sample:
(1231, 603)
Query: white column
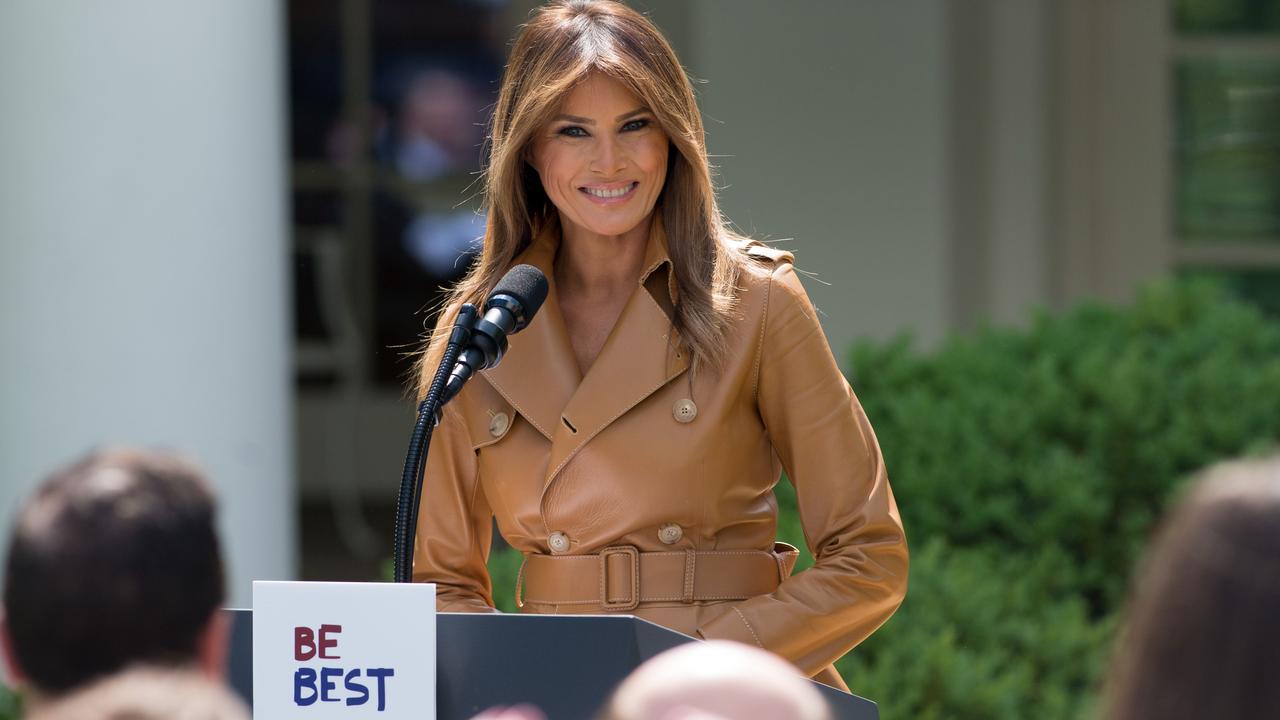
(1003, 86)
(143, 275)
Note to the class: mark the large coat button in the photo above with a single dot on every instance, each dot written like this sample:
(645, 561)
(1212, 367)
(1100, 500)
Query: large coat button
(684, 410)
(498, 424)
(670, 533)
(559, 542)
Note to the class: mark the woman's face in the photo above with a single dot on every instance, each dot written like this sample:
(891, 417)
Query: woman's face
(602, 158)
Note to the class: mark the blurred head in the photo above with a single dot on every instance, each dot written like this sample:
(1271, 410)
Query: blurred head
(437, 132)
(716, 680)
(441, 106)
(114, 561)
(599, 60)
(1203, 638)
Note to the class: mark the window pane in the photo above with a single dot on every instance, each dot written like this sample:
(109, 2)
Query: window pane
(314, 77)
(1227, 148)
(436, 71)
(1216, 16)
(436, 67)
(1260, 287)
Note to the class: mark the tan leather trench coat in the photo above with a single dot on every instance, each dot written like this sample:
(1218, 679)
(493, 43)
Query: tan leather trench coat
(671, 476)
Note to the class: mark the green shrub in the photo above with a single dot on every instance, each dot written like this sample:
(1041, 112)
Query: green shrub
(10, 708)
(1030, 467)
(984, 635)
(504, 566)
(1075, 431)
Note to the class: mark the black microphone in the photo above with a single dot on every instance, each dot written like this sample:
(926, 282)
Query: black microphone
(510, 307)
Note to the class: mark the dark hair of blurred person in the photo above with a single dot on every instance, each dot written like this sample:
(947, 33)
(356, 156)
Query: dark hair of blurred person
(114, 562)
(1203, 636)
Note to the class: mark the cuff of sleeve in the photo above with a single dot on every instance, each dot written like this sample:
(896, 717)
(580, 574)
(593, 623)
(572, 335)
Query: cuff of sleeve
(732, 625)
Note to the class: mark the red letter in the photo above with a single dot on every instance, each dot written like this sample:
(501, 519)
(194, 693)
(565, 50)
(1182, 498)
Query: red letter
(326, 642)
(303, 644)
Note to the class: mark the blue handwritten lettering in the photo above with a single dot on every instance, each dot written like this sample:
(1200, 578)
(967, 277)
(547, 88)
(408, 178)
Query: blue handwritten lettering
(328, 684)
(356, 687)
(304, 679)
(381, 674)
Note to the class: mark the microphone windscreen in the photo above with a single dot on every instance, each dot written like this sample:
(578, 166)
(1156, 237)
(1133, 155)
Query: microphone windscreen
(527, 284)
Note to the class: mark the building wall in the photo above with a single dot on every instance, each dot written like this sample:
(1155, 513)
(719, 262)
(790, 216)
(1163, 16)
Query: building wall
(829, 128)
(143, 285)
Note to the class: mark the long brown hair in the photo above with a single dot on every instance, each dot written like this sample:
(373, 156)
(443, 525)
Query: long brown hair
(561, 45)
(1204, 638)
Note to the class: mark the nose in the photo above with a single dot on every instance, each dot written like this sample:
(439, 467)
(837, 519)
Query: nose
(608, 158)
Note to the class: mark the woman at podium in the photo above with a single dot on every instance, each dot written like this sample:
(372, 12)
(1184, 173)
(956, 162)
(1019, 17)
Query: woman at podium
(629, 442)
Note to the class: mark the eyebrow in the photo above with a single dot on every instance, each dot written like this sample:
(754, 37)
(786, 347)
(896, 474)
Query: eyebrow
(588, 121)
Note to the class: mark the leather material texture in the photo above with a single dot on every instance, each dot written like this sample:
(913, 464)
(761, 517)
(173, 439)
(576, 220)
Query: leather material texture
(620, 575)
(603, 460)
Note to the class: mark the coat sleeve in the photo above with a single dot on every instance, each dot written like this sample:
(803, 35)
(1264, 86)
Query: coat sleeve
(851, 523)
(454, 522)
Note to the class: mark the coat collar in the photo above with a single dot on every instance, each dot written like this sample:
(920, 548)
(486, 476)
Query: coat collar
(539, 375)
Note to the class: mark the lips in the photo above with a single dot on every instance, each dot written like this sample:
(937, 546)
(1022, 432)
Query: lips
(612, 191)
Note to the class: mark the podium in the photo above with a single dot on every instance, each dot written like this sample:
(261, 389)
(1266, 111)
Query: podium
(566, 665)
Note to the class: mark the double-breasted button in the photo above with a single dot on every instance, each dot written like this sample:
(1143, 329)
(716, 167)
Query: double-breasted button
(684, 410)
(498, 424)
(559, 542)
(670, 533)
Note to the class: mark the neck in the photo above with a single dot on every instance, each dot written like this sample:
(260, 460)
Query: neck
(594, 265)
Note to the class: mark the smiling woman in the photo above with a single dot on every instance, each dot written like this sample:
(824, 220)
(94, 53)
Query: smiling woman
(631, 440)
(604, 170)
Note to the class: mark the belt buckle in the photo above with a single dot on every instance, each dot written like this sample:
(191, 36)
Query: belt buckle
(632, 602)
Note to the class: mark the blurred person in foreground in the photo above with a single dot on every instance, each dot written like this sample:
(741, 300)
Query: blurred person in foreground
(716, 680)
(1203, 636)
(111, 592)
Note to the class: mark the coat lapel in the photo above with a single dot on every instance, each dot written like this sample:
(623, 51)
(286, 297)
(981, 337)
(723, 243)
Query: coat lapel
(641, 355)
(538, 374)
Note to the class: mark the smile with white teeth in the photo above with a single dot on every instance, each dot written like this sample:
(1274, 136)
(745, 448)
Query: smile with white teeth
(602, 193)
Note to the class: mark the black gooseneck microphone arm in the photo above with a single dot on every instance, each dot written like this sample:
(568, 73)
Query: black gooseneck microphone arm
(475, 343)
(428, 410)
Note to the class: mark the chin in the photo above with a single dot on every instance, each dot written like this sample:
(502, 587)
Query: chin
(611, 226)
(612, 229)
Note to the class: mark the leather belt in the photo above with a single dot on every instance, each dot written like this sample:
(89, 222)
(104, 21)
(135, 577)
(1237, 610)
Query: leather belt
(620, 577)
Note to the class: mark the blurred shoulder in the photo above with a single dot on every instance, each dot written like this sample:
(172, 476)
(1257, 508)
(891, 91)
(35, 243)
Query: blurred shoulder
(146, 693)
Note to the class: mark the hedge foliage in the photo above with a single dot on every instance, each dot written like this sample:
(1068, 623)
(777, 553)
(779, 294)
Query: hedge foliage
(1030, 466)
(10, 708)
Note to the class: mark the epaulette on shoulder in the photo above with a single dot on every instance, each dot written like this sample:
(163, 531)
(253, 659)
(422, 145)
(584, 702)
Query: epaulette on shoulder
(768, 253)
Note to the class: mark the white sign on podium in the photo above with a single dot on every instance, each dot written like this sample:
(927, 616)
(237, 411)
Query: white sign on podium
(344, 650)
